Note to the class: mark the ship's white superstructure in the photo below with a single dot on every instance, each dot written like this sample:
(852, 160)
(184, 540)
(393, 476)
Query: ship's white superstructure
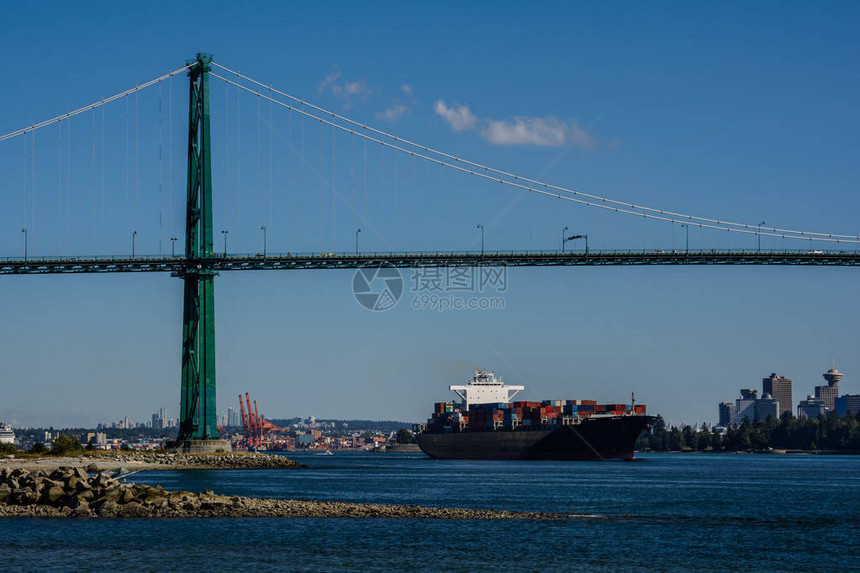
(485, 388)
(7, 436)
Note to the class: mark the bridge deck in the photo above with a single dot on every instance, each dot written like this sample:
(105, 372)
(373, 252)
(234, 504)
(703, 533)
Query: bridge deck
(180, 265)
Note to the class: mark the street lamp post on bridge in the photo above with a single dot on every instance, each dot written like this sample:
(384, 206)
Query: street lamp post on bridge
(482, 238)
(133, 240)
(563, 239)
(357, 231)
(758, 235)
(265, 239)
(687, 228)
(24, 230)
(225, 233)
(574, 237)
(173, 246)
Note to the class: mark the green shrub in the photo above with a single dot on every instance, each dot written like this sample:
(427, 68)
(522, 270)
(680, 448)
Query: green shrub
(64, 445)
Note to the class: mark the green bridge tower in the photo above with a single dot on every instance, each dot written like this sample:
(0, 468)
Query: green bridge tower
(198, 430)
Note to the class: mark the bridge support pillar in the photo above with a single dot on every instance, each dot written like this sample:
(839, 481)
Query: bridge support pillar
(197, 417)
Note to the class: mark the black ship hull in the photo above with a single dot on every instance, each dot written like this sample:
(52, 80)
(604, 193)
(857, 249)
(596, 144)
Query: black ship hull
(596, 438)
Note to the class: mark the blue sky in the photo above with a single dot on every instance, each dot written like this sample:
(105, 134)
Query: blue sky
(737, 111)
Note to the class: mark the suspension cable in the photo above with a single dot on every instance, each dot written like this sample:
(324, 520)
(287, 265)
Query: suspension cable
(686, 218)
(544, 189)
(100, 103)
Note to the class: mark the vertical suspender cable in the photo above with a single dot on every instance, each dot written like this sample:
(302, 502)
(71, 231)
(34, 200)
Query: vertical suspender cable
(426, 206)
(440, 200)
(93, 185)
(333, 202)
(456, 209)
(160, 192)
(382, 190)
(501, 217)
(365, 175)
(300, 215)
(127, 162)
(290, 186)
(33, 196)
(69, 187)
(395, 194)
(103, 179)
(136, 161)
(59, 186)
(238, 173)
(26, 190)
(320, 204)
(259, 165)
(170, 158)
(271, 167)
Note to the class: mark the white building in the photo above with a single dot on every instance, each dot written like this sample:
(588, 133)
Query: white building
(812, 407)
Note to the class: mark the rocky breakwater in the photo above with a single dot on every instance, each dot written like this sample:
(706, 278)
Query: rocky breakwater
(166, 460)
(71, 492)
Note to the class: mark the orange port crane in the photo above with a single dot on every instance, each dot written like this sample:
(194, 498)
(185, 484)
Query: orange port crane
(257, 431)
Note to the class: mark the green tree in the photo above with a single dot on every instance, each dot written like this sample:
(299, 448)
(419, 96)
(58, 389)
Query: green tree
(716, 442)
(690, 438)
(675, 440)
(8, 449)
(64, 445)
(38, 448)
(404, 436)
(704, 438)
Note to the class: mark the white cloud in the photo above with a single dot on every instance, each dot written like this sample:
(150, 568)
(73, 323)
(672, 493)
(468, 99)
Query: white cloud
(393, 113)
(407, 89)
(459, 117)
(343, 90)
(329, 81)
(544, 131)
(356, 88)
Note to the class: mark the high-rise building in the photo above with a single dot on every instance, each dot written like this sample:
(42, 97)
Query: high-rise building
(232, 417)
(779, 387)
(812, 408)
(848, 404)
(727, 414)
(750, 407)
(831, 391)
(767, 406)
(745, 406)
(158, 420)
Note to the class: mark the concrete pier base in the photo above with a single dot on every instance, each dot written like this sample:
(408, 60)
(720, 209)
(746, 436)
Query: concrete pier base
(204, 446)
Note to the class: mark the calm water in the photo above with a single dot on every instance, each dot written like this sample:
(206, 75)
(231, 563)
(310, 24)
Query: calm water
(663, 512)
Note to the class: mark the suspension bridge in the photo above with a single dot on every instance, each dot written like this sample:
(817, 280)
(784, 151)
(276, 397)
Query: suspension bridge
(346, 196)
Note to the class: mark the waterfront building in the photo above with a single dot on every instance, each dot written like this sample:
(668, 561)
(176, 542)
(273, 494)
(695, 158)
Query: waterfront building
(232, 417)
(829, 395)
(779, 387)
(750, 407)
(727, 414)
(767, 406)
(847, 404)
(745, 405)
(830, 392)
(812, 408)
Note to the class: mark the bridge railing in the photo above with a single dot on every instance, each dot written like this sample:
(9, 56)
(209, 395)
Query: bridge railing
(428, 253)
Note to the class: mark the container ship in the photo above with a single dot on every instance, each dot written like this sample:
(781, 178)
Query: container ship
(488, 425)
